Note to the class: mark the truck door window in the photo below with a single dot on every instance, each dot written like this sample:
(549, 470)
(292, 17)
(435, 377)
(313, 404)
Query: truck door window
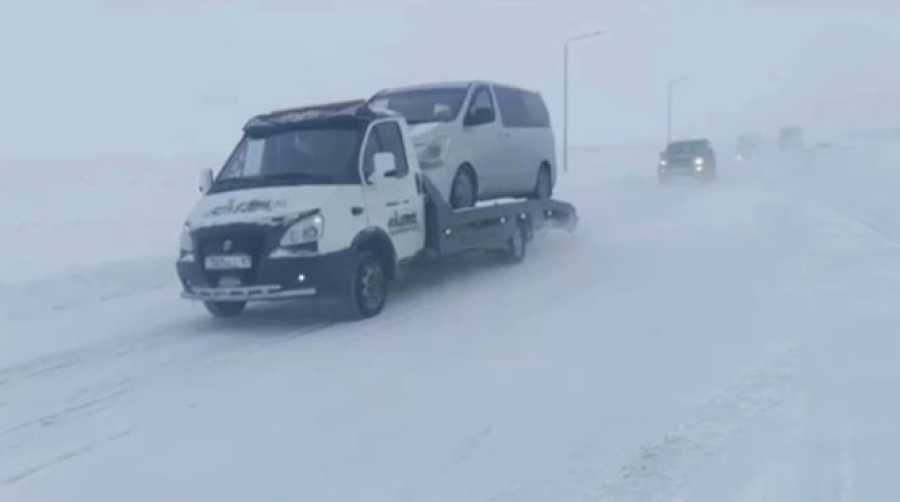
(392, 141)
(373, 146)
(385, 137)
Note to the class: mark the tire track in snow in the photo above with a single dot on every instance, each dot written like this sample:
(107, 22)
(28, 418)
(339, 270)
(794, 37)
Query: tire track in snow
(43, 425)
(166, 353)
(63, 457)
(663, 468)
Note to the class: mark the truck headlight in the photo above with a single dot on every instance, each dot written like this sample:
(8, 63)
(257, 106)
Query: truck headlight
(698, 161)
(663, 162)
(187, 243)
(305, 231)
(434, 153)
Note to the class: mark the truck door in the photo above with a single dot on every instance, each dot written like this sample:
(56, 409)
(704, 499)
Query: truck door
(394, 204)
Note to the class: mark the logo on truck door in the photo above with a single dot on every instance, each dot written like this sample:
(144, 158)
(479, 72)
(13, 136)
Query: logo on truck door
(405, 222)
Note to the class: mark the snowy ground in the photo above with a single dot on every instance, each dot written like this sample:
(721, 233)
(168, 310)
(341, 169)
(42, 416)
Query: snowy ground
(726, 342)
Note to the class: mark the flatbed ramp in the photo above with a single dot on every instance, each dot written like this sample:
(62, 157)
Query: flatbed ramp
(488, 227)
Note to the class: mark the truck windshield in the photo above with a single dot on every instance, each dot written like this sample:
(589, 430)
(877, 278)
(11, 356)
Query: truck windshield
(423, 106)
(304, 157)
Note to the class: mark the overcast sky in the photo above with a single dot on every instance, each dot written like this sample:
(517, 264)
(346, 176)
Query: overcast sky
(179, 77)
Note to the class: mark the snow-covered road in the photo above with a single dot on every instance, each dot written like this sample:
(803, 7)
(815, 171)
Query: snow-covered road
(700, 341)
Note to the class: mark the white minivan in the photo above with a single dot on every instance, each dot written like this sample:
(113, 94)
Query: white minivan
(478, 140)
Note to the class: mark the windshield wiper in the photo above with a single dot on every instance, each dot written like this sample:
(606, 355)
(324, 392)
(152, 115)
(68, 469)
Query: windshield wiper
(229, 181)
(294, 177)
(270, 180)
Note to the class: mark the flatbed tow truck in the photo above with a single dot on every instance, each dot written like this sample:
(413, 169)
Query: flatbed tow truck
(329, 202)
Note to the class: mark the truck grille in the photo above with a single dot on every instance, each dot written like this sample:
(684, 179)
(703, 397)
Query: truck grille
(231, 241)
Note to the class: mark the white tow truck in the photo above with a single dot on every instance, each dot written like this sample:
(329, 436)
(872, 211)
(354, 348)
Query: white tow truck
(329, 202)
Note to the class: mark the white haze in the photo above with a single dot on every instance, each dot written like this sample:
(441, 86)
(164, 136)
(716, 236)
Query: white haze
(171, 78)
(732, 341)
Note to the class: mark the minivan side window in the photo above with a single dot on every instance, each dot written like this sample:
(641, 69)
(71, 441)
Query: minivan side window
(522, 108)
(538, 116)
(481, 99)
(385, 137)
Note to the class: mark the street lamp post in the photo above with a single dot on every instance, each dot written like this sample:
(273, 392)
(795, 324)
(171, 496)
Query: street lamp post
(671, 89)
(568, 43)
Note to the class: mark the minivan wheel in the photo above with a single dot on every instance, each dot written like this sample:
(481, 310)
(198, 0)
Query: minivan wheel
(225, 310)
(462, 193)
(370, 286)
(543, 188)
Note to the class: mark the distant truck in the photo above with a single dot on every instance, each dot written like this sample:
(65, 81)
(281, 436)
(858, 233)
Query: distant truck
(790, 139)
(329, 202)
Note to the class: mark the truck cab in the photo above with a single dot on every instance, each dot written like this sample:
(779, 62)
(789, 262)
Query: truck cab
(317, 202)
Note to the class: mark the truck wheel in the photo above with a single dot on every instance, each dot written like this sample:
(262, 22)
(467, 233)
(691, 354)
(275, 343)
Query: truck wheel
(517, 248)
(463, 192)
(370, 286)
(225, 310)
(543, 187)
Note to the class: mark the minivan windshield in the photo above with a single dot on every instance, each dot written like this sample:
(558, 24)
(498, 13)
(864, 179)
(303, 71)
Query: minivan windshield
(423, 105)
(302, 157)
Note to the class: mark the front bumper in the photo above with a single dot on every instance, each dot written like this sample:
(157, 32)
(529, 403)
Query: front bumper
(314, 276)
(684, 171)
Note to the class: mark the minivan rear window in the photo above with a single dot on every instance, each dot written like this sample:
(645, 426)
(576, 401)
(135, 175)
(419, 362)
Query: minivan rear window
(520, 108)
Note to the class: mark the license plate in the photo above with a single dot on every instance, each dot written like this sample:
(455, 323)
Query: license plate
(228, 262)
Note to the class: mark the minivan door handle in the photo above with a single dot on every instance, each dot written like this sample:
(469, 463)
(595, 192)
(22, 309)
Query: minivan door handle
(356, 210)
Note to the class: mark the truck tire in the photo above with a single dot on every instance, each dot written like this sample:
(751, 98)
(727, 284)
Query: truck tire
(225, 310)
(464, 191)
(543, 185)
(369, 290)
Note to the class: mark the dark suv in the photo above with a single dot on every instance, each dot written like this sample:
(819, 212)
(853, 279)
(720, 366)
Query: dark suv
(693, 158)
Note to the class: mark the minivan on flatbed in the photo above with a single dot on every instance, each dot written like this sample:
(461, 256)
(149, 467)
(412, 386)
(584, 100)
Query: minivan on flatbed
(478, 140)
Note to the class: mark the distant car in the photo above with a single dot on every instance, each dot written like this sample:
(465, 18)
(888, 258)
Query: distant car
(749, 146)
(478, 140)
(790, 139)
(692, 158)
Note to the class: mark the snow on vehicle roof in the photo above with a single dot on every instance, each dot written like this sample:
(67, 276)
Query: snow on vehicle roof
(343, 113)
(448, 85)
(436, 85)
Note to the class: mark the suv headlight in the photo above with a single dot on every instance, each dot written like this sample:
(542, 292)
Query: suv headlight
(434, 153)
(305, 231)
(698, 161)
(187, 243)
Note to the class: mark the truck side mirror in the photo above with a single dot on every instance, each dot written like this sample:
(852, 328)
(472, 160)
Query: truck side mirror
(206, 180)
(384, 164)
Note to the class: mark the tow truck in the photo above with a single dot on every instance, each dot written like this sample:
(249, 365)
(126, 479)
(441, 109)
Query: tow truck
(329, 202)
